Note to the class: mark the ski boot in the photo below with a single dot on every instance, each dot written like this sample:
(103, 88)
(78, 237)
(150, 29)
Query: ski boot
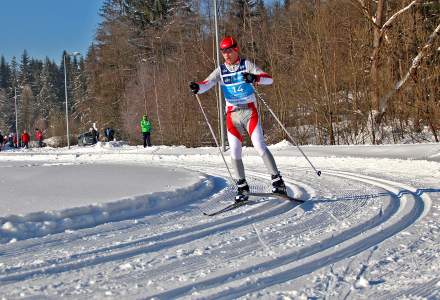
(243, 191)
(278, 186)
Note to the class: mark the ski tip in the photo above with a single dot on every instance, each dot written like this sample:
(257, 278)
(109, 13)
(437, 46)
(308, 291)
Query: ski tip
(209, 215)
(294, 199)
(318, 173)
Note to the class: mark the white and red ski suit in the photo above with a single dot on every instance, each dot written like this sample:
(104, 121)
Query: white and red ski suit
(241, 111)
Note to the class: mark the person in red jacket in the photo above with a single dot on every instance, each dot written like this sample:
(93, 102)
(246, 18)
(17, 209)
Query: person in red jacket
(13, 140)
(39, 137)
(25, 138)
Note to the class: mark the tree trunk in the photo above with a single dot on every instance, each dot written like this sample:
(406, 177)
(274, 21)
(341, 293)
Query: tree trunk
(374, 71)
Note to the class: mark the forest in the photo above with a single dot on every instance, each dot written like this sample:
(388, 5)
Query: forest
(345, 71)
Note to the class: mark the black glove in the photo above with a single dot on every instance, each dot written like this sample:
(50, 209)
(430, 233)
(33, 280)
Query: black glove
(249, 78)
(195, 87)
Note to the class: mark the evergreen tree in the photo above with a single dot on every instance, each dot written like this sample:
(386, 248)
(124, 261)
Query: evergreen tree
(26, 108)
(5, 102)
(14, 75)
(79, 92)
(5, 73)
(10, 93)
(26, 98)
(36, 66)
(4, 111)
(25, 75)
(46, 100)
(148, 14)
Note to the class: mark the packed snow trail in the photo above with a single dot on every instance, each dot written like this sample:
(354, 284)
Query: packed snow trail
(361, 234)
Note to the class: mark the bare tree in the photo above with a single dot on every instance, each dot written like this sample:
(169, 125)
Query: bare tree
(380, 25)
(383, 104)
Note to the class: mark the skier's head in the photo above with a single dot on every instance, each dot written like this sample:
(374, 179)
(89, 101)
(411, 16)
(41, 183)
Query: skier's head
(228, 43)
(229, 49)
(145, 117)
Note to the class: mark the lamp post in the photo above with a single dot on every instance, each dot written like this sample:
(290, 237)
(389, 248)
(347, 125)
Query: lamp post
(220, 100)
(16, 114)
(73, 54)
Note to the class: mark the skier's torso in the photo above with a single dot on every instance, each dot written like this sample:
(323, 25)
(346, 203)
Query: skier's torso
(235, 89)
(237, 92)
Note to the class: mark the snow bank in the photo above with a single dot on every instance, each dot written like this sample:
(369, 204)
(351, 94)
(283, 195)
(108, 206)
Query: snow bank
(18, 227)
(15, 227)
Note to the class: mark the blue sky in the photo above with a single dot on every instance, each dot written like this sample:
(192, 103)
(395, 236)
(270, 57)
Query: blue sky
(47, 27)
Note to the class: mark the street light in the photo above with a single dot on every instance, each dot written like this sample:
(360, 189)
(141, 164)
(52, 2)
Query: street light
(16, 114)
(73, 54)
(220, 100)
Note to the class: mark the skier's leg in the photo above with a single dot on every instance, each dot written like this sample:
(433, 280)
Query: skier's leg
(257, 137)
(237, 162)
(235, 139)
(256, 133)
(235, 142)
(259, 145)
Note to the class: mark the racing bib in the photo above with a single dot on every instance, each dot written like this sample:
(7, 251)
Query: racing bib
(235, 89)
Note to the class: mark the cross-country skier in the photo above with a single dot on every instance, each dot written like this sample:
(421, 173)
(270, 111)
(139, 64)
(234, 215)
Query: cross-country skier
(237, 76)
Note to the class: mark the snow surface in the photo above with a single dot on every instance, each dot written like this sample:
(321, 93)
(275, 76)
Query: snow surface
(117, 221)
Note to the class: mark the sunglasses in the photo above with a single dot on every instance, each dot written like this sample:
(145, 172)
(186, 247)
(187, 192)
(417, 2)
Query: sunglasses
(228, 50)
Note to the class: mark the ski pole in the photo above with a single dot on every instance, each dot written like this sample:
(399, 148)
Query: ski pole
(318, 172)
(215, 139)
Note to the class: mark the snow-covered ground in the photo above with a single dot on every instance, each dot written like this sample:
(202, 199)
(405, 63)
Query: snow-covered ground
(116, 221)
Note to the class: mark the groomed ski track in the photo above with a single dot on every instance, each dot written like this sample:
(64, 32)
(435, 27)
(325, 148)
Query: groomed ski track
(257, 250)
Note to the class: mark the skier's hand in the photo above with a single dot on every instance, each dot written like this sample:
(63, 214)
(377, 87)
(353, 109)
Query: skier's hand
(249, 78)
(195, 87)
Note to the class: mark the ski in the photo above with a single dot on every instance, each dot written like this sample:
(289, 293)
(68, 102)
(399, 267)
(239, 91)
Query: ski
(275, 195)
(241, 203)
(227, 208)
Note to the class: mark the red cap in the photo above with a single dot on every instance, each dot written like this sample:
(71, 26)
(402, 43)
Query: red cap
(228, 42)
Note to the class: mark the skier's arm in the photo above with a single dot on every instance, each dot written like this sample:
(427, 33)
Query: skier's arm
(209, 82)
(261, 77)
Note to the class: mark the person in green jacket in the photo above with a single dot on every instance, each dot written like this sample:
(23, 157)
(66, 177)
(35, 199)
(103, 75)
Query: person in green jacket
(146, 129)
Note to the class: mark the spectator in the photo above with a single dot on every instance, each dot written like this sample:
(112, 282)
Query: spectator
(146, 129)
(94, 134)
(1, 141)
(25, 138)
(109, 134)
(12, 140)
(39, 137)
